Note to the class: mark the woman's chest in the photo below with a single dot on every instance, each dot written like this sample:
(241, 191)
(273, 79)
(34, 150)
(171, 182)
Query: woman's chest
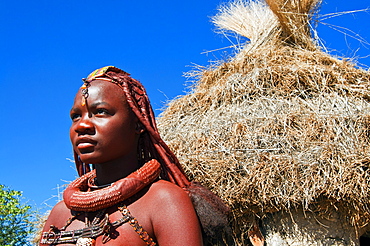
(110, 229)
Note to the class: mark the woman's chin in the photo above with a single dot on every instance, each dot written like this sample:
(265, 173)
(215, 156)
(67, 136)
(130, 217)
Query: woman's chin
(90, 158)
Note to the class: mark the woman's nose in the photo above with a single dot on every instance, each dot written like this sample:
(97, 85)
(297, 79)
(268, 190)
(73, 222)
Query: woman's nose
(85, 125)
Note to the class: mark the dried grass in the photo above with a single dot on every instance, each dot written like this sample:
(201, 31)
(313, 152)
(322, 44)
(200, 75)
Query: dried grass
(253, 20)
(295, 17)
(279, 126)
(39, 225)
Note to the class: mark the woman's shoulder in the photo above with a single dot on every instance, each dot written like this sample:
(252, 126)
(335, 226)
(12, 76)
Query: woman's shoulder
(168, 199)
(58, 215)
(60, 208)
(164, 190)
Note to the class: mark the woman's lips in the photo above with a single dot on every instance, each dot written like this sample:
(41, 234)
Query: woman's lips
(84, 144)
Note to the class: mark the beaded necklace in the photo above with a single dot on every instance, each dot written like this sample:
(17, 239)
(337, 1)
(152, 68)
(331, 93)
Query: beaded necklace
(99, 226)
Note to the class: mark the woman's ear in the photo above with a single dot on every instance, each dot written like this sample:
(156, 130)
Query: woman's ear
(139, 128)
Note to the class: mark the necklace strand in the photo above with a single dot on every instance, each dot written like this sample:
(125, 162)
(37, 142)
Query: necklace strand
(91, 182)
(99, 226)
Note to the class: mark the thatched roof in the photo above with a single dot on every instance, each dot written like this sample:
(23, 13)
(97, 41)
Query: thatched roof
(282, 124)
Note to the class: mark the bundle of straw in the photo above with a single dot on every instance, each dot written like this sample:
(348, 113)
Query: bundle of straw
(280, 125)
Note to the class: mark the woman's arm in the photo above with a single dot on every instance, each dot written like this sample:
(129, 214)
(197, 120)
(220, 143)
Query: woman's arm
(173, 217)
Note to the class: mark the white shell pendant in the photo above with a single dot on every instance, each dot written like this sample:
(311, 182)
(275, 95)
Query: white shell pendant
(84, 241)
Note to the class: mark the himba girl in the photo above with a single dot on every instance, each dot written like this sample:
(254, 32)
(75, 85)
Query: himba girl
(137, 193)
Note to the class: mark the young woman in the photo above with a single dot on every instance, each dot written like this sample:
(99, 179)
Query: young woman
(137, 192)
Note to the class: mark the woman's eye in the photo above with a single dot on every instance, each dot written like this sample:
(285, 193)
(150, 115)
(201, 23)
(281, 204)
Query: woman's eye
(75, 116)
(102, 111)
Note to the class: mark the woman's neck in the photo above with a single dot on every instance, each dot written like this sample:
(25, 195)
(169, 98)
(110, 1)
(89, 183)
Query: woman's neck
(112, 171)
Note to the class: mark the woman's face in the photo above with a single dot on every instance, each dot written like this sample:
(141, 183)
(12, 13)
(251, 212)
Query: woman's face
(104, 129)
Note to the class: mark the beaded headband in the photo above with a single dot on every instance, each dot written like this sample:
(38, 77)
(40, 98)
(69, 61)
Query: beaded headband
(97, 74)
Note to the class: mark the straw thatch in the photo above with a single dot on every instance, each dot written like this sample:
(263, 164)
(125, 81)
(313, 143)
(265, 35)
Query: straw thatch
(280, 125)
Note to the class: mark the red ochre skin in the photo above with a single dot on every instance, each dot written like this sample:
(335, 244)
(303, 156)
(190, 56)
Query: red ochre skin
(105, 133)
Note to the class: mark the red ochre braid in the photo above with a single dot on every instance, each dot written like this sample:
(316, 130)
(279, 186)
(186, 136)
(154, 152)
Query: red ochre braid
(140, 105)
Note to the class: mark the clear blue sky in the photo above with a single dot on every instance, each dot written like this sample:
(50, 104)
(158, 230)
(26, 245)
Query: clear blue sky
(46, 47)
